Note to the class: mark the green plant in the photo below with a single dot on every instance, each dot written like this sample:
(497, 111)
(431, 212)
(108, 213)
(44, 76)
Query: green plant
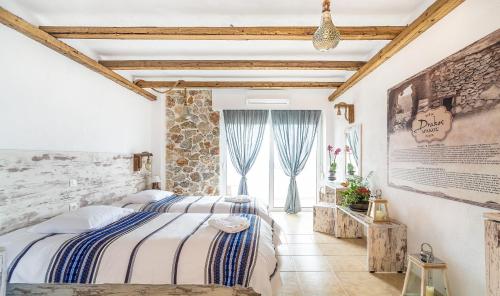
(356, 191)
(350, 169)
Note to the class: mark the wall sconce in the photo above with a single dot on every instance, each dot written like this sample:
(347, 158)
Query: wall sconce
(348, 111)
(138, 157)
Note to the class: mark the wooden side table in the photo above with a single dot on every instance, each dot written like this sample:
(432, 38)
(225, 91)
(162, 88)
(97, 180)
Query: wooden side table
(492, 252)
(330, 193)
(386, 241)
(324, 218)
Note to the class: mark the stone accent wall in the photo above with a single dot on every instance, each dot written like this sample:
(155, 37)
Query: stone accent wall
(192, 148)
(34, 185)
(471, 78)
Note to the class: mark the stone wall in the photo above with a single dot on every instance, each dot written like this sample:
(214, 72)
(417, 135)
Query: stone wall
(471, 78)
(192, 148)
(34, 185)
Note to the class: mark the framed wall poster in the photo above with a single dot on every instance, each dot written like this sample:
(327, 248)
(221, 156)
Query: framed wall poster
(443, 127)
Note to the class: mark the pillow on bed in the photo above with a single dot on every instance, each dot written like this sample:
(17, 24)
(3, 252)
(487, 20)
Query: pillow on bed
(147, 196)
(81, 220)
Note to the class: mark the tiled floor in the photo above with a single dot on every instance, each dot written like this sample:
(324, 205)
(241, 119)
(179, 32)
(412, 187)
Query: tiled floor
(312, 263)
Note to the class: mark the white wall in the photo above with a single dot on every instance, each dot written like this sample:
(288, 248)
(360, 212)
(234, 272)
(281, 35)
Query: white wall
(454, 229)
(49, 102)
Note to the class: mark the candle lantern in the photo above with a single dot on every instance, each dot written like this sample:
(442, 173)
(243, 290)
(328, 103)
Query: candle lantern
(426, 275)
(377, 209)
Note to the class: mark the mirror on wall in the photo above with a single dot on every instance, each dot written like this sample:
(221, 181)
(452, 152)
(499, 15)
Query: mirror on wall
(353, 150)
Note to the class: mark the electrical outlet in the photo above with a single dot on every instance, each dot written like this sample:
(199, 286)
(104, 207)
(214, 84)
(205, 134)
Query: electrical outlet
(73, 183)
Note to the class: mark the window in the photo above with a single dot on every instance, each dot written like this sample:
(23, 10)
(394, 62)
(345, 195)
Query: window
(266, 179)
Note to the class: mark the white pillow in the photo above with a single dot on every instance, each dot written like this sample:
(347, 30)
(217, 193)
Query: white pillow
(81, 220)
(147, 196)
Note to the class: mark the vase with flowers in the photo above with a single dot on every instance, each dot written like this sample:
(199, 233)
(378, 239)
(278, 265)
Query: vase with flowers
(357, 194)
(350, 166)
(333, 164)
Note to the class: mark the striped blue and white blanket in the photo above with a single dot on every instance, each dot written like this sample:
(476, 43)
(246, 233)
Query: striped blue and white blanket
(147, 248)
(204, 204)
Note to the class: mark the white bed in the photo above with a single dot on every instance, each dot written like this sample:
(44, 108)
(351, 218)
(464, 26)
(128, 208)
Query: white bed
(147, 248)
(172, 203)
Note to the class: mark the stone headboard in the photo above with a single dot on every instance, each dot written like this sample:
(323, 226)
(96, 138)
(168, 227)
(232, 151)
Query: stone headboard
(35, 185)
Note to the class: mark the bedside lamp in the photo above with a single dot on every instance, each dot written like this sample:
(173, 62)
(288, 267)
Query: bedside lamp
(155, 183)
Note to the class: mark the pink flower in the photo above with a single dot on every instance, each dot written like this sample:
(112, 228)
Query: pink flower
(330, 148)
(347, 149)
(337, 151)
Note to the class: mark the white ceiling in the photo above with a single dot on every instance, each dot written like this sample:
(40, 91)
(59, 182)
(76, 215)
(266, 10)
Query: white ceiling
(220, 13)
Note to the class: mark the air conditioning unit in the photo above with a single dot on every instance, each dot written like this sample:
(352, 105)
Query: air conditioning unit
(267, 97)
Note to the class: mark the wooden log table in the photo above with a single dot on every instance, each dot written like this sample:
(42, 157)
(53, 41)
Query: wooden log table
(492, 253)
(386, 241)
(324, 217)
(125, 290)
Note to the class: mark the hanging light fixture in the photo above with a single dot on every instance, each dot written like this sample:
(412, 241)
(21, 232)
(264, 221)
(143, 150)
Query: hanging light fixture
(326, 36)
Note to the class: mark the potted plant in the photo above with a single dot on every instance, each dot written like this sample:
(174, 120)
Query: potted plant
(350, 166)
(333, 164)
(356, 195)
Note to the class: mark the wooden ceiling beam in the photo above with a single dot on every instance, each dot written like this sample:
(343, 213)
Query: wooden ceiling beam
(218, 33)
(236, 84)
(431, 15)
(230, 65)
(40, 36)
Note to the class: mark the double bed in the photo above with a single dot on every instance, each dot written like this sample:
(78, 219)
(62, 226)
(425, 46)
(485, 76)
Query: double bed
(148, 247)
(173, 203)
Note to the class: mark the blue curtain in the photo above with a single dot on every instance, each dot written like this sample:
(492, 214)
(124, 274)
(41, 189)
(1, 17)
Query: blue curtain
(244, 133)
(294, 133)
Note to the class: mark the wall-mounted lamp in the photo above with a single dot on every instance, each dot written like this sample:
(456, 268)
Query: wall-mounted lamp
(138, 157)
(348, 111)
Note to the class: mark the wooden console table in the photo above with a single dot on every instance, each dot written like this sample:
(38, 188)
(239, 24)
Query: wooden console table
(492, 244)
(386, 242)
(125, 290)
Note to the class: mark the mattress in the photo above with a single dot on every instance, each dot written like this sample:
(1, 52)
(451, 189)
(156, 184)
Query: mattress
(147, 248)
(205, 204)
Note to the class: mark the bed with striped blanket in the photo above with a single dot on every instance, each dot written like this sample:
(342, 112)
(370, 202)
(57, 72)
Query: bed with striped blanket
(204, 204)
(147, 248)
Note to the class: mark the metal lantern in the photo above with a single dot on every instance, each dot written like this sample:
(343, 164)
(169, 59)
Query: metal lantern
(377, 209)
(327, 36)
(426, 275)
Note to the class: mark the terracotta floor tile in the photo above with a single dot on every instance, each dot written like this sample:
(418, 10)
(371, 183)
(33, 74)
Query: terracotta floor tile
(311, 263)
(320, 283)
(290, 285)
(286, 263)
(373, 284)
(342, 249)
(299, 249)
(319, 264)
(347, 263)
(316, 238)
